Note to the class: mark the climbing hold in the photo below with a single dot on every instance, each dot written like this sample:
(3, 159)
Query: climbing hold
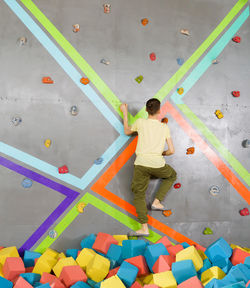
(218, 114)
(47, 80)
(27, 183)
(76, 28)
(22, 41)
(144, 21)
(236, 39)
(246, 143)
(74, 110)
(16, 120)
(214, 190)
(180, 91)
(215, 61)
(139, 79)
(81, 206)
(107, 8)
(167, 213)
(185, 32)
(104, 61)
(180, 61)
(84, 81)
(152, 56)
(47, 143)
(190, 150)
(63, 170)
(98, 161)
(53, 234)
(236, 93)
(208, 231)
(164, 120)
(177, 185)
(244, 212)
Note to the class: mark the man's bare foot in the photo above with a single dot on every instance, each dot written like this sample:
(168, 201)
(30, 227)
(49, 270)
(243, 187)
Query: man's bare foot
(157, 204)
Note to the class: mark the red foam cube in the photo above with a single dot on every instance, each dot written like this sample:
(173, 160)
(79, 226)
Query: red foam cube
(193, 282)
(112, 272)
(13, 267)
(239, 256)
(173, 250)
(72, 274)
(21, 283)
(165, 241)
(136, 285)
(103, 242)
(51, 279)
(163, 263)
(140, 263)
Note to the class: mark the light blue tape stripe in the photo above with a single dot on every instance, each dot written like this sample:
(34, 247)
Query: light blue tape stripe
(201, 68)
(80, 183)
(64, 63)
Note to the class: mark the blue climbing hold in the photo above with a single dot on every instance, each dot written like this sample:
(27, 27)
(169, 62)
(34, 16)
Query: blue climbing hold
(180, 61)
(27, 183)
(98, 161)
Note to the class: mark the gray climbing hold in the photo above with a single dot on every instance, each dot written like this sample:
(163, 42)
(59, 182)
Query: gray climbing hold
(215, 61)
(74, 111)
(104, 61)
(98, 161)
(214, 190)
(246, 143)
(27, 183)
(180, 61)
(21, 41)
(53, 234)
(16, 120)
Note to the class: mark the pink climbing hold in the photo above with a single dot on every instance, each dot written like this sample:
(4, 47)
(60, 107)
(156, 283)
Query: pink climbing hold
(152, 56)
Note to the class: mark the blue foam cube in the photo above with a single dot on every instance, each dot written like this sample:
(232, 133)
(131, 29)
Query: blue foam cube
(153, 252)
(206, 265)
(133, 248)
(183, 270)
(218, 249)
(224, 263)
(240, 284)
(247, 261)
(185, 245)
(237, 274)
(29, 258)
(115, 253)
(72, 253)
(4, 283)
(245, 270)
(31, 277)
(80, 284)
(211, 284)
(127, 273)
(88, 241)
(91, 283)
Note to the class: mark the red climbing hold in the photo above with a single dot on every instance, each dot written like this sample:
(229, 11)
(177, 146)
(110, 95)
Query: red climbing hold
(244, 212)
(152, 56)
(63, 170)
(236, 39)
(190, 150)
(177, 185)
(236, 93)
(164, 120)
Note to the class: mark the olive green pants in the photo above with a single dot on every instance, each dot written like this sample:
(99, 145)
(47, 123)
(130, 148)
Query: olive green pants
(140, 183)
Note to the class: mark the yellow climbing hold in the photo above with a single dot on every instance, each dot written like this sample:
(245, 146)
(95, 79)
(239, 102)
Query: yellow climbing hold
(180, 91)
(80, 207)
(47, 143)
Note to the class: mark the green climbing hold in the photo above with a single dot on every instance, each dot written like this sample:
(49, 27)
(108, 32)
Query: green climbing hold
(208, 231)
(139, 79)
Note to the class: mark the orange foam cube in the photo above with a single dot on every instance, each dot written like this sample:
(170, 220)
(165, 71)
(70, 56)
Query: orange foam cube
(193, 282)
(51, 279)
(239, 256)
(103, 242)
(163, 263)
(13, 267)
(165, 241)
(21, 283)
(140, 263)
(113, 272)
(72, 274)
(173, 250)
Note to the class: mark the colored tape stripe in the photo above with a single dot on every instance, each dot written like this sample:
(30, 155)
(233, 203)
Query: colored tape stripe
(104, 207)
(70, 194)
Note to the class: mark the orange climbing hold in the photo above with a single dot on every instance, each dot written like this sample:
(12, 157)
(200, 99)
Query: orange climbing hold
(164, 120)
(144, 21)
(47, 80)
(180, 91)
(190, 150)
(84, 81)
(167, 213)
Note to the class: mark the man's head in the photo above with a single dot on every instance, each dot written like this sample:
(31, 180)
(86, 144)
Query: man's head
(153, 106)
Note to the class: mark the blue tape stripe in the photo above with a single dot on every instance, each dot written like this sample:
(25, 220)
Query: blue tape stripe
(202, 67)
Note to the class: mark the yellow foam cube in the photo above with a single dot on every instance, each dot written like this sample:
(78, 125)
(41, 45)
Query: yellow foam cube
(146, 279)
(43, 265)
(233, 246)
(202, 254)
(165, 279)
(51, 253)
(211, 273)
(68, 261)
(120, 238)
(8, 252)
(85, 256)
(1, 270)
(61, 255)
(112, 282)
(139, 281)
(190, 253)
(98, 268)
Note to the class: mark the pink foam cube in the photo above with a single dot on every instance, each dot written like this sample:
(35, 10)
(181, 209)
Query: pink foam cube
(51, 279)
(21, 283)
(13, 267)
(165, 241)
(239, 256)
(193, 282)
(103, 242)
(163, 263)
(150, 286)
(72, 274)
(112, 272)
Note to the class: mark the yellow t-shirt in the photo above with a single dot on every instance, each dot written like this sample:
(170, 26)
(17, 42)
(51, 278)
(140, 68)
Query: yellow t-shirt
(152, 135)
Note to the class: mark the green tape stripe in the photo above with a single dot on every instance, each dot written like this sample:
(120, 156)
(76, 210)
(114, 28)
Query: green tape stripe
(215, 142)
(101, 205)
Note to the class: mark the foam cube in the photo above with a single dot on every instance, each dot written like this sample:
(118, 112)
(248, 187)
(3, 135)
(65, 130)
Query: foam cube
(206, 265)
(22, 283)
(165, 241)
(84, 257)
(120, 238)
(113, 272)
(247, 261)
(218, 249)
(240, 284)
(238, 256)
(29, 258)
(136, 284)
(248, 284)
(150, 286)
(42, 265)
(147, 279)
(165, 279)
(51, 279)
(4, 283)
(212, 273)
(98, 268)
(245, 270)
(71, 253)
(202, 254)
(153, 252)
(8, 252)
(239, 275)
(62, 255)
(127, 273)
(72, 274)
(173, 250)
(133, 248)
(31, 277)
(103, 242)
(192, 282)
(112, 282)
(47, 285)
(140, 263)
(224, 263)
(50, 253)
(185, 245)
(183, 270)
(68, 261)
(13, 267)
(115, 253)
(190, 253)
(163, 263)
(88, 241)
(80, 285)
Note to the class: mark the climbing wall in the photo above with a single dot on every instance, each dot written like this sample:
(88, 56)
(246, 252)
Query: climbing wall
(112, 50)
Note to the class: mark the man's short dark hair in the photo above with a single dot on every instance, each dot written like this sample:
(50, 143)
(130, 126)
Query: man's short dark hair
(153, 106)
